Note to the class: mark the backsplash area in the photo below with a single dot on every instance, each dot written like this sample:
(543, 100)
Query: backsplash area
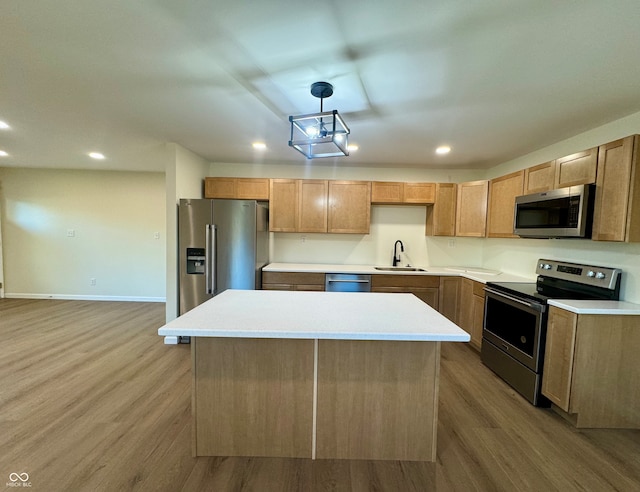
(407, 223)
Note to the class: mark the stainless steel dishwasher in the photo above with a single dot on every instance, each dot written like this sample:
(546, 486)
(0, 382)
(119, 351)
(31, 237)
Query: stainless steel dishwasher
(347, 282)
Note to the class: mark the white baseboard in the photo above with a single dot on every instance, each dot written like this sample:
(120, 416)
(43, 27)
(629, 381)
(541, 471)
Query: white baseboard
(71, 297)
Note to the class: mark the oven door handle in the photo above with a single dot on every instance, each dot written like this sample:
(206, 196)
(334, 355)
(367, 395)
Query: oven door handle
(531, 305)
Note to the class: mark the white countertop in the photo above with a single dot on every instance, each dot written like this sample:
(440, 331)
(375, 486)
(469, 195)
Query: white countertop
(597, 307)
(474, 273)
(315, 315)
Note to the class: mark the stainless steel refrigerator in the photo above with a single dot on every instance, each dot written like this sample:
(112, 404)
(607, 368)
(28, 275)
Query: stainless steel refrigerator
(223, 244)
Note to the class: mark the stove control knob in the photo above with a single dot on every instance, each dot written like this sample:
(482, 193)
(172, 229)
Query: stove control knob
(591, 273)
(600, 275)
(546, 266)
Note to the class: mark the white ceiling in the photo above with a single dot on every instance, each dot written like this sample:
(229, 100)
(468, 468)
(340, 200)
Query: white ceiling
(494, 79)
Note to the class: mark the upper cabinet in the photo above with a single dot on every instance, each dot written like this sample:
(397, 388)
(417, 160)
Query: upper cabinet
(502, 197)
(316, 205)
(283, 205)
(239, 188)
(540, 178)
(578, 168)
(349, 207)
(390, 192)
(471, 209)
(441, 216)
(617, 206)
(387, 192)
(312, 205)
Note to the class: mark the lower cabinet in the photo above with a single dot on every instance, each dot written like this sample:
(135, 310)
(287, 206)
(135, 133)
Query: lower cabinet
(449, 297)
(471, 312)
(424, 287)
(591, 368)
(292, 281)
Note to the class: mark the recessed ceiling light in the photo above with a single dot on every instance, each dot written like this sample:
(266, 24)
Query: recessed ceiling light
(4, 126)
(96, 155)
(3, 153)
(352, 148)
(259, 145)
(443, 149)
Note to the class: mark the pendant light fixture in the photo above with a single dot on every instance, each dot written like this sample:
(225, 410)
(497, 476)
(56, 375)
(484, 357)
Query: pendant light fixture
(323, 134)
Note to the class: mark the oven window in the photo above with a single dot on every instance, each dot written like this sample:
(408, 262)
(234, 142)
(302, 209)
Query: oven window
(515, 326)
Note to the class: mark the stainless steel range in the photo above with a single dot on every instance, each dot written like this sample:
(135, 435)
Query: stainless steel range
(515, 318)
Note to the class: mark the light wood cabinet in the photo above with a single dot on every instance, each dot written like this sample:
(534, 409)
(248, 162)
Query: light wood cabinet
(540, 178)
(575, 169)
(424, 287)
(300, 205)
(471, 312)
(471, 209)
(398, 193)
(559, 350)
(617, 205)
(591, 368)
(502, 198)
(419, 192)
(237, 188)
(312, 205)
(448, 297)
(441, 216)
(292, 281)
(283, 205)
(349, 207)
(387, 192)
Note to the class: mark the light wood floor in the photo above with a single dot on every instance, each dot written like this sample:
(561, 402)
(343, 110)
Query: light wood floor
(90, 399)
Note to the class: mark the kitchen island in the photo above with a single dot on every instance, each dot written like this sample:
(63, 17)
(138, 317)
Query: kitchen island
(315, 374)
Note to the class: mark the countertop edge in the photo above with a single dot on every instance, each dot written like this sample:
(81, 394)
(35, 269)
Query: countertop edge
(615, 308)
(370, 270)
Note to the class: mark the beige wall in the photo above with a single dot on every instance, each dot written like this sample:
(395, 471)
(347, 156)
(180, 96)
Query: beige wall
(115, 217)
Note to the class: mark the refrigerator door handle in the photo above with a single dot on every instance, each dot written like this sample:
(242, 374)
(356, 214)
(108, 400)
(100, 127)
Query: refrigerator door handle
(209, 269)
(213, 275)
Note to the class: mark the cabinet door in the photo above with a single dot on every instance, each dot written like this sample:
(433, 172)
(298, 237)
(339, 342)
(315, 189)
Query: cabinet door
(441, 217)
(502, 198)
(387, 192)
(419, 192)
(558, 360)
(349, 207)
(428, 295)
(578, 168)
(471, 209)
(477, 321)
(312, 205)
(240, 188)
(252, 189)
(540, 178)
(219, 187)
(283, 205)
(614, 187)
(448, 297)
(465, 313)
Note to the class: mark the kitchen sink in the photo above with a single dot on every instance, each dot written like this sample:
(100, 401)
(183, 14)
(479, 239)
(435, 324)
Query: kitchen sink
(400, 269)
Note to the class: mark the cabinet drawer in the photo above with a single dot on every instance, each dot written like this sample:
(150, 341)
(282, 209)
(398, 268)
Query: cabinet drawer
(405, 281)
(293, 278)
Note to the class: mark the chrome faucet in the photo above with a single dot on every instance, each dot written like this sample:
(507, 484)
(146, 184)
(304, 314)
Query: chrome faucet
(396, 256)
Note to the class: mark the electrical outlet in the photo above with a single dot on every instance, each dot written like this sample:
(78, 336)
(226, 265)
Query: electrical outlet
(92, 282)
(156, 235)
(71, 233)
(452, 243)
(303, 239)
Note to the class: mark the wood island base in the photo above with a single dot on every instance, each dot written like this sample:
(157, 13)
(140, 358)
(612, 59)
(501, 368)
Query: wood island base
(309, 398)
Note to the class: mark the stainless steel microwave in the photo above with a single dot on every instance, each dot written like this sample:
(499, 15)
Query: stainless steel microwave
(565, 212)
